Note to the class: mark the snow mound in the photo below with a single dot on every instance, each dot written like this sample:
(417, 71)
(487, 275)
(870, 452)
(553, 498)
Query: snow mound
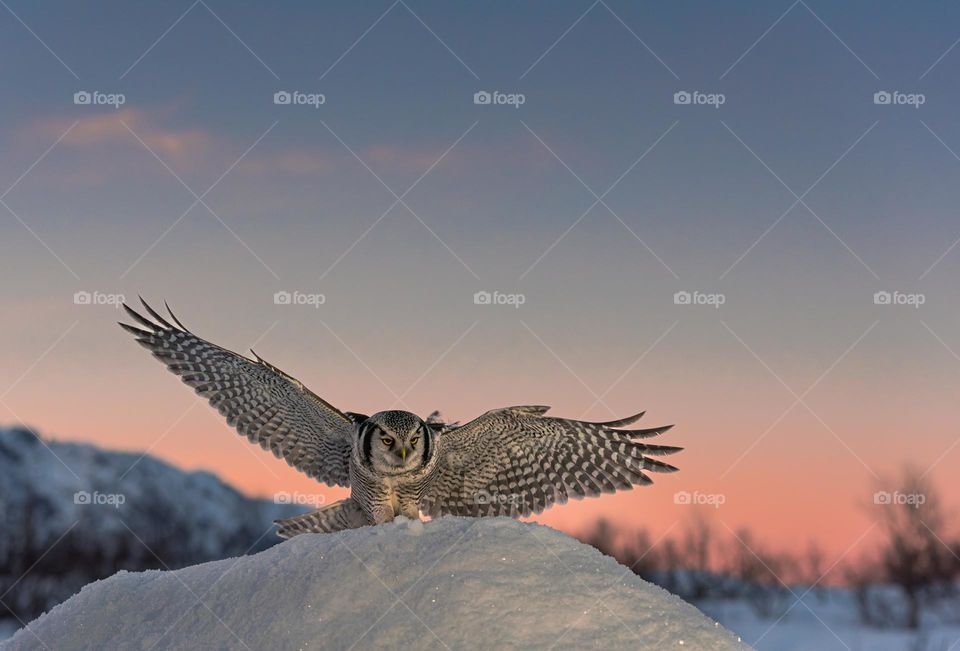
(450, 583)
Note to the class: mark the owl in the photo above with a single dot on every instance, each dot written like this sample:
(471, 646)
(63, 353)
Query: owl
(514, 461)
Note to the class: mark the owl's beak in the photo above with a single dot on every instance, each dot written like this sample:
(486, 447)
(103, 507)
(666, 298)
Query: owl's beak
(403, 453)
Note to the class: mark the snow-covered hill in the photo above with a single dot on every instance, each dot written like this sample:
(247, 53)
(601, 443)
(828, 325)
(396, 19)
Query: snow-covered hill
(454, 582)
(73, 513)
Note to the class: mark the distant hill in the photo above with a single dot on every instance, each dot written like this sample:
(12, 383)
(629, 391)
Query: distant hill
(74, 513)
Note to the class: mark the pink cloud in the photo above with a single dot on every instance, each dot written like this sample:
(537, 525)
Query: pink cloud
(180, 145)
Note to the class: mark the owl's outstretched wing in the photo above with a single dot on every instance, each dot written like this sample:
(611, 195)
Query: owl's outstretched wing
(517, 461)
(262, 402)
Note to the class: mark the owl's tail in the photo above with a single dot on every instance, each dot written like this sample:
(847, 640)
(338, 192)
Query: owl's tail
(345, 514)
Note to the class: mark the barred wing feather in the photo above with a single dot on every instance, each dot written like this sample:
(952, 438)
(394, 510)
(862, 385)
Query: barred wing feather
(260, 401)
(517, 461)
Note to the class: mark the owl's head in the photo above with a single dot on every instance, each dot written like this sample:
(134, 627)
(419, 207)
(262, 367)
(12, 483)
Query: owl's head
(394, 442)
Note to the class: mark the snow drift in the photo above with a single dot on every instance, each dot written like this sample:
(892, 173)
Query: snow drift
(452, 582)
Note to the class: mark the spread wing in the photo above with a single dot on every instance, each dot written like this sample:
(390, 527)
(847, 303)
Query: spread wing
(262, 402)
(516, 461)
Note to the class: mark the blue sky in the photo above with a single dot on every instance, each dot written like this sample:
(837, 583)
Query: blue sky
(598, 199)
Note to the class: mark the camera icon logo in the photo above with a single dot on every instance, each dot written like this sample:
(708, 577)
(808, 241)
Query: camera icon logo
(882, 298)
(482, 97)
(282, 497)
(682, 298)
(82, 298)
(482, 298)
(282, 97)
(682, 497)
(82, 97)
(282, 298)
(682, 97)
(882, 497)
(81, 497)
(882, 97)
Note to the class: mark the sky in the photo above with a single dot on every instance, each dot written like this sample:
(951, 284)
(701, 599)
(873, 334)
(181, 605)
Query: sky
(588, 197)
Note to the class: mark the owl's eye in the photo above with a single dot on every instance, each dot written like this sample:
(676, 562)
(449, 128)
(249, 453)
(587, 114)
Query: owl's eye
(414, 440)
(387, 441)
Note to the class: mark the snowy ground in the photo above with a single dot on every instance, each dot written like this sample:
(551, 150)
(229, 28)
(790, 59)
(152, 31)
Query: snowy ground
(826, 624)
(456, 583)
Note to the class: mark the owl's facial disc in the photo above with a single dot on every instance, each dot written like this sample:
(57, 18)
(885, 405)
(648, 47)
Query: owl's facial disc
(398, 442)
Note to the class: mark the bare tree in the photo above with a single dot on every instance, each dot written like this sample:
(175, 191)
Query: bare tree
(603, 536)
(698, 540)
(916, 554)
(760, 572)
(812, 569)
(641, 556)
(698, 550)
